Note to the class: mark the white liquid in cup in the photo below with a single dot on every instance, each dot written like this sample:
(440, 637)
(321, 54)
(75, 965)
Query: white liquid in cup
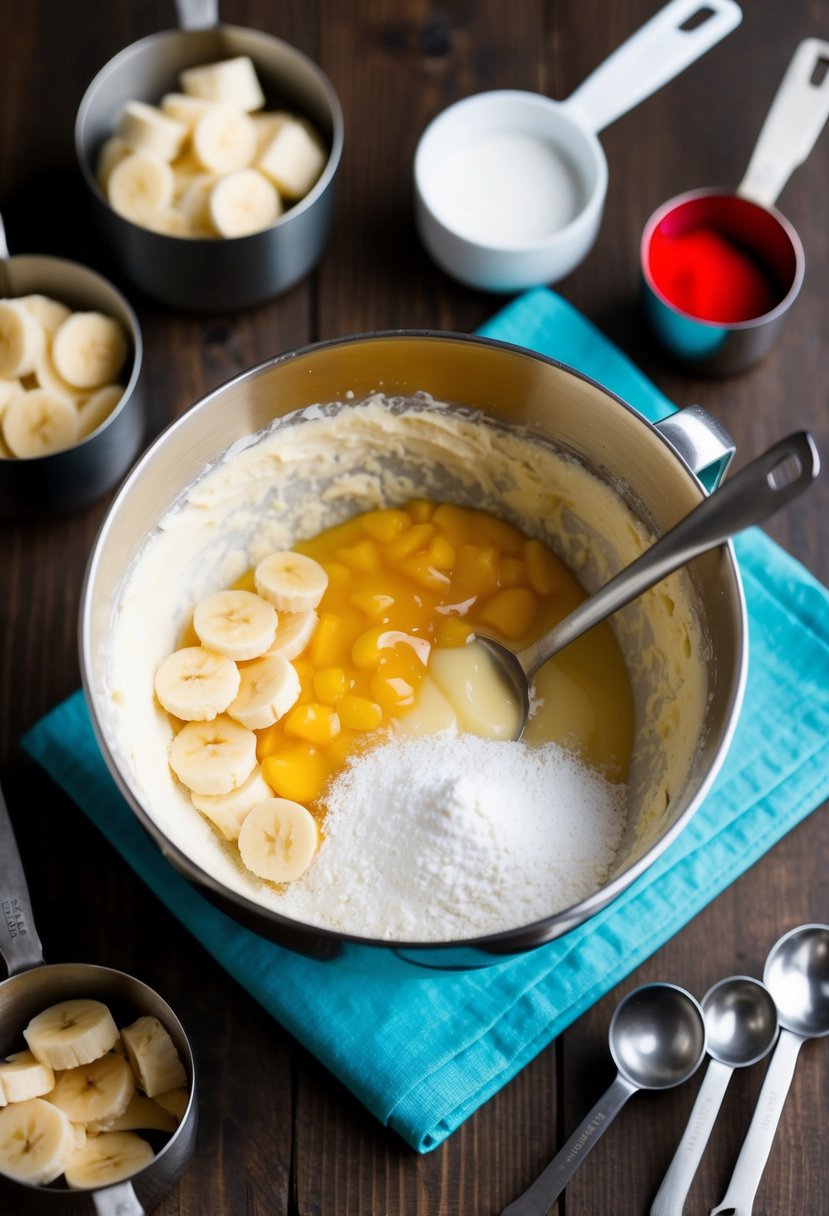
(505, 189)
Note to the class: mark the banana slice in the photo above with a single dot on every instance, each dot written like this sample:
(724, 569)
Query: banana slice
(294, 631)
(227, 811)
(9, 389)
(174, 1101)
(195, 684)
(49, 377)
(278, 840)
(184, 108)
(21, 339)
(95, 1093)
(170, 221)
(36, 1141)
(139, 185)
(268, 688)
(146, 129)
(143, 1113)
(110, 154)
(194, 202)
(294, 159)
(237, 624)
(89, 349)
(213, 757)
(71, 1033)
(106, 1159)
(231, 82)
(290, 581)
(243, 202)
(50, 313)
(267, 125)
(23, 1077)
(38, 423)
(96, 409)
(153, 1056)
(224, 140)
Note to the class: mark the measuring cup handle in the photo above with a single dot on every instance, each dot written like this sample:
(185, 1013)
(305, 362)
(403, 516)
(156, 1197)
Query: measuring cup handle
(542, 1194)
(795, 120)
(671, 1196)
(117, 1201)
(19, 941)
(739, 1197)
(657, 52)
(197, 14)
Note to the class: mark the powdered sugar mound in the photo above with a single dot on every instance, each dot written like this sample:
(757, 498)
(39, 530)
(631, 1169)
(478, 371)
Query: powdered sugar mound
(443, 837)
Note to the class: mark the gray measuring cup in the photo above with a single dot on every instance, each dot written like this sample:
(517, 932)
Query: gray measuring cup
(33, 986)
(212, 275)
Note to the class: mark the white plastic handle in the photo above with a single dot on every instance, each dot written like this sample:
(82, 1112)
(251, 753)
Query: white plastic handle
(667, 44)
(197, 14)
(796, 118)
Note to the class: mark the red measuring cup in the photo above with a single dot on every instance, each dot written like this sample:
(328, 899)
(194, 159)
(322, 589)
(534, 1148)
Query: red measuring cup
(721, 269)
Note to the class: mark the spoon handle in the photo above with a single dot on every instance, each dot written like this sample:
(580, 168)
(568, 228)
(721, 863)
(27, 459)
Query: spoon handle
(542, 1194)
(763, 486)
(19, 941)
(739, 1197)
(671, 1196)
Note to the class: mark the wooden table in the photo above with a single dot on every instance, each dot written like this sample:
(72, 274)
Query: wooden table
(278, 1134)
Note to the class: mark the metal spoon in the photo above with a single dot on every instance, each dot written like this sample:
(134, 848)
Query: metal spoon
(769, 482)
(741, 1019)
(657, 1040)
(797, 976)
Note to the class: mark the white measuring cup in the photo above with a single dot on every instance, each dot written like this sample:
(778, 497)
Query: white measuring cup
(510, 186)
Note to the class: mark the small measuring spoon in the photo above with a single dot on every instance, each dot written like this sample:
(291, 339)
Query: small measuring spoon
(741, 1019)
(763, 486)
(33, 986)
(657, 1039)
(797, 976)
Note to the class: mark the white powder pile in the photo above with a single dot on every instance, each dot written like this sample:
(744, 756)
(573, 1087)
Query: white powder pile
(444, 837)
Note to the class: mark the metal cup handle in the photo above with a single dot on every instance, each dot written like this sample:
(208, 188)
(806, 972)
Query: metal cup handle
(19, 940)
(197, 14)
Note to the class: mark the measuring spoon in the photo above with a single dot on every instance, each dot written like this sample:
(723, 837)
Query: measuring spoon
(741, 1020)
(33, 986)
(768, 482)
(797, 976)
(657, 1039)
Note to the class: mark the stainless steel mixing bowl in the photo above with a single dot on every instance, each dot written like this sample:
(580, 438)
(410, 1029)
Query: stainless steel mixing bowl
(648, 466)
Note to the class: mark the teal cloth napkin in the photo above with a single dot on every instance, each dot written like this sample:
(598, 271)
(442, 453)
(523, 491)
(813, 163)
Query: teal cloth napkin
(423, 1054)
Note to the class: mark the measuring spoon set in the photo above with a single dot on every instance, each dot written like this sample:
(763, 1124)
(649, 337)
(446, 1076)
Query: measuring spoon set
(659, 1035)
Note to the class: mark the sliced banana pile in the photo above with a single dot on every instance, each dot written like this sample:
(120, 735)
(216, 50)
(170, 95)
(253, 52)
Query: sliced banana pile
(203, 163)
(238, 680)
(71, 1101)
(58, 374)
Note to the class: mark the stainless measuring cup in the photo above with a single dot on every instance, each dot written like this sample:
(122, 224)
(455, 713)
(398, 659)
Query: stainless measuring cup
(748, 220)
(74, 478)
(33, 986)
(212, 275)
(568, 134)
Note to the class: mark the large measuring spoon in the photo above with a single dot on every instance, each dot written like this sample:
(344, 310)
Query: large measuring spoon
(33, 986)
(741, 1019)
(657, 1039)
(763, 486)
(797, 976)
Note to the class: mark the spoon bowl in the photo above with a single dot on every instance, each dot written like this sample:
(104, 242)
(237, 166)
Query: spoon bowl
(742, 1026)
(657, 1039)
(763, 486)
(797, 976)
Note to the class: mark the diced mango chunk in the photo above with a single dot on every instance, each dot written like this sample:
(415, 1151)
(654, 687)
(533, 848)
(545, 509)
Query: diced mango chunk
(363, 558)
(411, 541)
(330, 643)
(299, 772)
(317, 723)
(329, 684)
(386, 524)
(358, 713)
(510, 612)
(543, 568)
(453, 631)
